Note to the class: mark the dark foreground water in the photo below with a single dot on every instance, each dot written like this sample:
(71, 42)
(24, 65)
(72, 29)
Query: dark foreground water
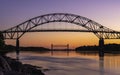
(72, 63)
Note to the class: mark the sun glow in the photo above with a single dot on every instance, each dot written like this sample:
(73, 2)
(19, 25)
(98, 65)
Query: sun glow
(45, 39)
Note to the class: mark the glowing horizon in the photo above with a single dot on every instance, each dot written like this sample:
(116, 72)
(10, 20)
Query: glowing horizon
(76, 39)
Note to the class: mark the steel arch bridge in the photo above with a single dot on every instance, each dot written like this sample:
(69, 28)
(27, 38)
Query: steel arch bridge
(99, 30)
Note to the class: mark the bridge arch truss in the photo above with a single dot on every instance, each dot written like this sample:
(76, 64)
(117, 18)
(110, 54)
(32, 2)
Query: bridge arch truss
(99, 30)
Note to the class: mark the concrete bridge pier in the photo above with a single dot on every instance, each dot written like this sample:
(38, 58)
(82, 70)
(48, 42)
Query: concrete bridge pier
(17, 49)
(101, 47)
(51, 49)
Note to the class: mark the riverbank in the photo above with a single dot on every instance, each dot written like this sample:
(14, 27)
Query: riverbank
(108, 48)
(9, 66)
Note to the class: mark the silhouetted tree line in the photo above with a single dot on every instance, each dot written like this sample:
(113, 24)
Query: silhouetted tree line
(9, 48)
(34, 49)
(107, 48)
(2, 43)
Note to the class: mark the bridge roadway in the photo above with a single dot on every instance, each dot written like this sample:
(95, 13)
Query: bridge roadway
(61, 30)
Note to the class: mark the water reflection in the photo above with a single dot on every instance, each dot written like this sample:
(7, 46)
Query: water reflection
(53, 53)
(101, 59)
(104, 65)
(101, 65)
(87, 53)
(110, 61)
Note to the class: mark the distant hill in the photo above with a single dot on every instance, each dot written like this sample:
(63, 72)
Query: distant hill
(10, 48)
(34, 49)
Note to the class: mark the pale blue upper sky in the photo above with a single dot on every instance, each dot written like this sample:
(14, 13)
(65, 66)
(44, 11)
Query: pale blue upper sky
(105, 12)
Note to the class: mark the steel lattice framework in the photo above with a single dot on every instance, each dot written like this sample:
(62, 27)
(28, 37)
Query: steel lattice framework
(99, 30)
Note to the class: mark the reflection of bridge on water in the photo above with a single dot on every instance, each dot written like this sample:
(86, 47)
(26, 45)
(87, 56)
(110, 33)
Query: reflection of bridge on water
(60, 47)
(99, 30)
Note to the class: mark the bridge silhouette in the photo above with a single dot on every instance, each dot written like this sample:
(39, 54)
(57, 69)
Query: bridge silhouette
(99, 30)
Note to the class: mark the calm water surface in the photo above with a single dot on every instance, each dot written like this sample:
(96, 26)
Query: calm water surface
(72, 63)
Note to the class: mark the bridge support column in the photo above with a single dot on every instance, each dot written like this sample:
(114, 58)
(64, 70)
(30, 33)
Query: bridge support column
(67, 46)
(51, 49)
(101, 47)
(17, 49)
(67, 49)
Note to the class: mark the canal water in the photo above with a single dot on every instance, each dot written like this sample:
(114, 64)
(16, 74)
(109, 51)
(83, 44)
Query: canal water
(72, 63)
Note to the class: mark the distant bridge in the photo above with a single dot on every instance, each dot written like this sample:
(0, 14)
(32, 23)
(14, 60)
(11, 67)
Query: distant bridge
(99, 30)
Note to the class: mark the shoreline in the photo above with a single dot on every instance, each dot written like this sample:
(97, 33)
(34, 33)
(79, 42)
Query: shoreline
(9, 66)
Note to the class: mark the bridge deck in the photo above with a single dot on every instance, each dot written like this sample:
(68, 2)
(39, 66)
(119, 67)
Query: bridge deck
(61, 30)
